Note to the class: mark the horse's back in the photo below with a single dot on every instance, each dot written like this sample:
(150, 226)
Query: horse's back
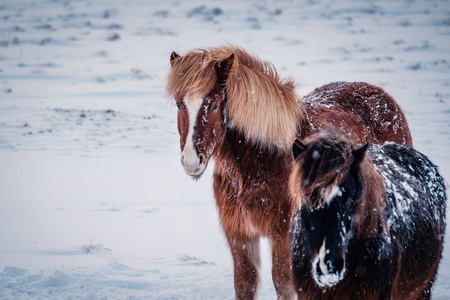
(363, 103)
(352, 95)
(412, 172)
(415, 214)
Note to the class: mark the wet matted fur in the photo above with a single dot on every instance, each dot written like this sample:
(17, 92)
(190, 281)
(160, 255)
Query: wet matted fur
(398, 211)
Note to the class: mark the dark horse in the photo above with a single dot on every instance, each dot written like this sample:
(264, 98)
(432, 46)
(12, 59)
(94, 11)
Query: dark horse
(233, 107)
(368, 222)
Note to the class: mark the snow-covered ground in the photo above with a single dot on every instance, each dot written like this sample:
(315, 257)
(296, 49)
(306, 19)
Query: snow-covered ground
(93, 201)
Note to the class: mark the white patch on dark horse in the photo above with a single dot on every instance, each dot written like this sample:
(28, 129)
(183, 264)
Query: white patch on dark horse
(319, 263)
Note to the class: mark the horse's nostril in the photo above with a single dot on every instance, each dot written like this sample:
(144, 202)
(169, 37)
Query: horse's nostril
(201, 157)
(335, 265)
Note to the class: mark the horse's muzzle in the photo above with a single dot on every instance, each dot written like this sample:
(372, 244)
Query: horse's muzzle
(193, 166)
(328, 272)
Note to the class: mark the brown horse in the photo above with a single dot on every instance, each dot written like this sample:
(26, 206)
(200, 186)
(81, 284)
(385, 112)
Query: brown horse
(233, 107)
(368, 221)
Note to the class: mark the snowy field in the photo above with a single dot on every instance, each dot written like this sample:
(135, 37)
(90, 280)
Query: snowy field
(93, 201)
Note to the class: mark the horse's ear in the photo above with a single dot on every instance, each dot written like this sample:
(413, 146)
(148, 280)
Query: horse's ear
(223, 69)
(358, 154)
(298, 148)
(173, 56)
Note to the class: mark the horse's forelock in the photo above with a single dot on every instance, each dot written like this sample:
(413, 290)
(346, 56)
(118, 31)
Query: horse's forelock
(191, 74)
(324, 165)
(326, 162)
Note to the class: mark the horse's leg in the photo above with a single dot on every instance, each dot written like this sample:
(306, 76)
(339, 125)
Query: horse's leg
(281, 269)
(245, 252)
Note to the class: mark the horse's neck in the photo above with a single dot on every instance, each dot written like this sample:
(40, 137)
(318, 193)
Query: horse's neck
(237, 154)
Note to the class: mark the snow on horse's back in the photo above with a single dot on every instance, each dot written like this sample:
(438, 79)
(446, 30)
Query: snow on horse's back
(369, 220)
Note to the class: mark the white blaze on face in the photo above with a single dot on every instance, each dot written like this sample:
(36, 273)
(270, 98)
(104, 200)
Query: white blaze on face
(321, 256)
(333, 192)
(189, 157)
(325, 278)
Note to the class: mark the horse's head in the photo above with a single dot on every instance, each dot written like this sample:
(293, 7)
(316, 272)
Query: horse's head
(201, 111)
(325, 184)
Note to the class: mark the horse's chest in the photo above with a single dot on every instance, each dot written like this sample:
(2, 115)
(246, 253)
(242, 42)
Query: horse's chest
(254, 208)
(251, 190)
(261, 216)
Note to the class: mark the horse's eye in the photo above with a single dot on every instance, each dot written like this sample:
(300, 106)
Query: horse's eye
(215, 107)
(179, 105)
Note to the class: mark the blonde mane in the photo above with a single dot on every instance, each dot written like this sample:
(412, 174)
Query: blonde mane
(261, 105)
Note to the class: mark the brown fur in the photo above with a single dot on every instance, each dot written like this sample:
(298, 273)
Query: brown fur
(364, 111)
(253, 201)
(258, 115)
